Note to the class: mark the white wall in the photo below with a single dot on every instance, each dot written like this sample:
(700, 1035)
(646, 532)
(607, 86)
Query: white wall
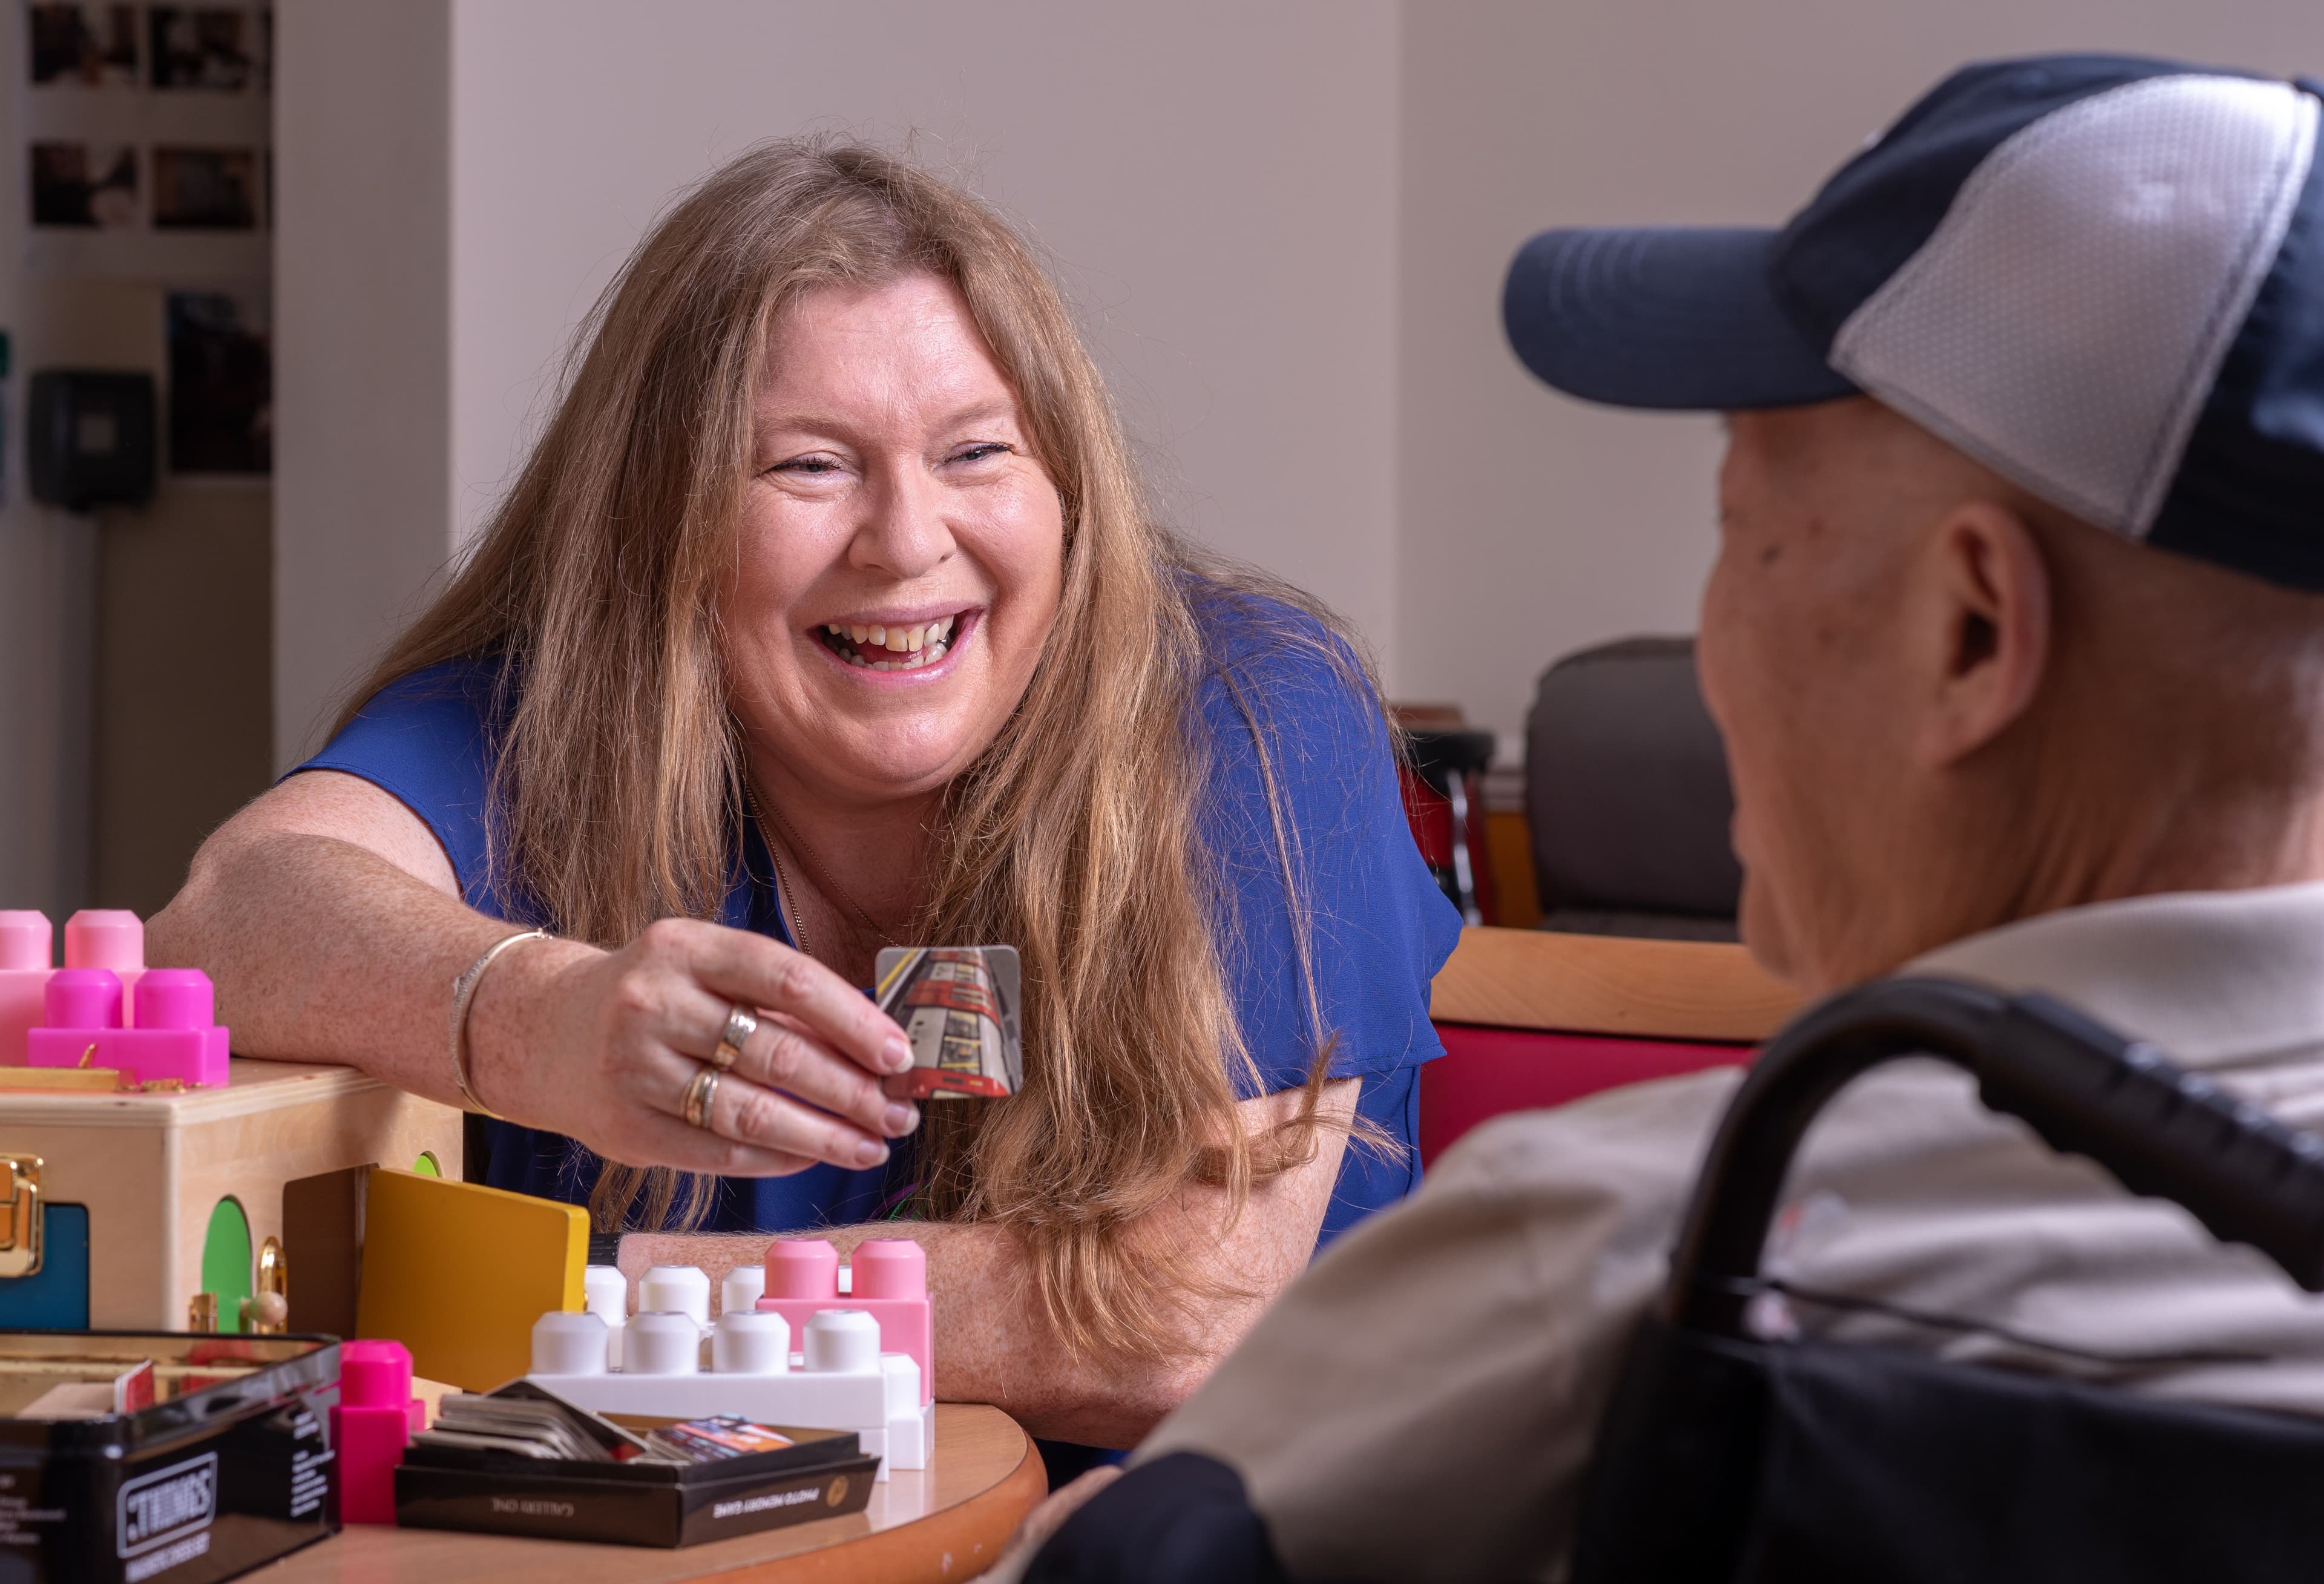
(47, 558)
(1216, 181)
(132, 676)
(1530, 524)
(48, 562)
(1287, 224)
(363, 395)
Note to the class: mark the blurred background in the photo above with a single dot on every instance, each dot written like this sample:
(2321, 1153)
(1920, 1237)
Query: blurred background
(350, 239)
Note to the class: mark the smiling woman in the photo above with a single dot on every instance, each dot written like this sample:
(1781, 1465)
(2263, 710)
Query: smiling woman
(902, 551)
(827, 614)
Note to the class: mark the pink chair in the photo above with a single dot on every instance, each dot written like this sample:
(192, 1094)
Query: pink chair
(1533, 1019)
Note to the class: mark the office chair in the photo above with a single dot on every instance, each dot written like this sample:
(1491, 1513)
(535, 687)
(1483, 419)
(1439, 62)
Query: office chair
(1626, 796)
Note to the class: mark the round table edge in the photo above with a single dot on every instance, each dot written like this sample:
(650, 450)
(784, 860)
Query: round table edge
(955, 1542)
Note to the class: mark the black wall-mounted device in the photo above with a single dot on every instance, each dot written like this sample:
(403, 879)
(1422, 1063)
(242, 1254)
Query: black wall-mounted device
(93, 438)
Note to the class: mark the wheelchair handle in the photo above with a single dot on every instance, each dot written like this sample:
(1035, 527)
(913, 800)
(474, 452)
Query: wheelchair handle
(2086, 1090)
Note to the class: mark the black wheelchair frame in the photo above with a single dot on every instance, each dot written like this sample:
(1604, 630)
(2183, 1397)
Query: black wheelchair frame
(1724, 1457)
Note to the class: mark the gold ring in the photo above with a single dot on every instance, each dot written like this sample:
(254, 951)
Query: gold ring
(741, 1023)
(699, 1089)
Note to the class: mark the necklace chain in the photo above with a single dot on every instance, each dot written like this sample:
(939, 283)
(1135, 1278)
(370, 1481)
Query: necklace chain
(783, 894)
(761, 813)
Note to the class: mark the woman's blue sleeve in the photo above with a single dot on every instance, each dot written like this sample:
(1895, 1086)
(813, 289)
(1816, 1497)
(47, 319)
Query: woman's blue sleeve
(1377, 926)
(426, 741)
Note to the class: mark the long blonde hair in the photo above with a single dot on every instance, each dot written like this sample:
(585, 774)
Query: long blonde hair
(1073, 837)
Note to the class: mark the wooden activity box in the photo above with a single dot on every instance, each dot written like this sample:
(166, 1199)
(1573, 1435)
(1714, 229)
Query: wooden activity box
(118, 1211)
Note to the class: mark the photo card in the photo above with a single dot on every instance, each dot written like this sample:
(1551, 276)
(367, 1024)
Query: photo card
(205, 189)
(85, 46)
(212, 48)
(958, 1006)
(85, 185)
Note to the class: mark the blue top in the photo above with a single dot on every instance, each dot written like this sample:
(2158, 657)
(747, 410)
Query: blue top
(1380, 927)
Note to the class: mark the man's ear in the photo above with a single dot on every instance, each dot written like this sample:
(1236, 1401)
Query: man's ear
(1985, 616)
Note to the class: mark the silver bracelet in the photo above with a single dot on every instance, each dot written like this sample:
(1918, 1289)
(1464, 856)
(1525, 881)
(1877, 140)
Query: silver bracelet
(463, 993)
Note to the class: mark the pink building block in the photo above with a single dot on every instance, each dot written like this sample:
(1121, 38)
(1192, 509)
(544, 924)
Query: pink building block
(180, 1037)
(26, 960)
(891, 1285)
(371, 1427)
(114, 938)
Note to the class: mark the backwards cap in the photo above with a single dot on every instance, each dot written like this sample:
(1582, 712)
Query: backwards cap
(2102, 276)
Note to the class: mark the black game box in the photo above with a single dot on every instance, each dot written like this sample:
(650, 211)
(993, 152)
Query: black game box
(180, 1458)
(634, 1502)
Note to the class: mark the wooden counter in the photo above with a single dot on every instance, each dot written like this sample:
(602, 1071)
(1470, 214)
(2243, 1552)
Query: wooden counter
(1609, 984)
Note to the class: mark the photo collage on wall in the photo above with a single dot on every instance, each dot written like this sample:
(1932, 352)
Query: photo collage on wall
(145, 131)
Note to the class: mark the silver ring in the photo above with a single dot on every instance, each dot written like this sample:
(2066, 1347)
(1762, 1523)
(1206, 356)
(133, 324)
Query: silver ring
(741, 1023)
(700, 1088)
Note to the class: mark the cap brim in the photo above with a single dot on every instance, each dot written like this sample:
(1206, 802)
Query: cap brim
(1674, 317)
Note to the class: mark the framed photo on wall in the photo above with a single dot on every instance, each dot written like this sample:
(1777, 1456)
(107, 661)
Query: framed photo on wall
(221, 399)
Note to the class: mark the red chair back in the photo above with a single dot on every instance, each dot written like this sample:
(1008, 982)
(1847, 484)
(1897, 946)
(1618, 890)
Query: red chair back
(1534, 1017)
(1485, 1072)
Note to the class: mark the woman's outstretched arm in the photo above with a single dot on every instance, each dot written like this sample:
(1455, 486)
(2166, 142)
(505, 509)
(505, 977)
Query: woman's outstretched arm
(330, 920)
(993, 1342)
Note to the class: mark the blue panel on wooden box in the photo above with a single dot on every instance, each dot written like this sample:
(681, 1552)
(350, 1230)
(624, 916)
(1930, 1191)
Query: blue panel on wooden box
(56, 1296)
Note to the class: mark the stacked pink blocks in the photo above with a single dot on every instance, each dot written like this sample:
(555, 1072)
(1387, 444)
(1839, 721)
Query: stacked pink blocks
(105, 1007)
(891, 1285)
(27, 959)
(375, 1420)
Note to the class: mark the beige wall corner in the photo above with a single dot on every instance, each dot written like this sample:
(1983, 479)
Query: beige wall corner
(363, 494)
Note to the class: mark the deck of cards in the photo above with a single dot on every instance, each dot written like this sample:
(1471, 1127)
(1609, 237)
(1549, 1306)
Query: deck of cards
(537, 1428)
(525, 1428)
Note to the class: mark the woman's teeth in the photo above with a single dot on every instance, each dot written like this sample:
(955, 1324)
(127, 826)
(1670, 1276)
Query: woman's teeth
(893, 648)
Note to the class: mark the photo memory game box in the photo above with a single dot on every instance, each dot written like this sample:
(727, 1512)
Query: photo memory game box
(622, 1479)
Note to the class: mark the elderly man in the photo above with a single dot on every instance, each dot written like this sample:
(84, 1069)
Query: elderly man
(2014, 641)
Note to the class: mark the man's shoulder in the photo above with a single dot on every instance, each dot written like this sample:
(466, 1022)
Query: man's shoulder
(2216, 981)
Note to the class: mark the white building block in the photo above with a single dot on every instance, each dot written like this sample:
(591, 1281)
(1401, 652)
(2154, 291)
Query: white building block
(839, 1380)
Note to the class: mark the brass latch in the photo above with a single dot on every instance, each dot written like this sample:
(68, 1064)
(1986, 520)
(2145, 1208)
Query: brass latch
(20, 1215)
(267, 1310)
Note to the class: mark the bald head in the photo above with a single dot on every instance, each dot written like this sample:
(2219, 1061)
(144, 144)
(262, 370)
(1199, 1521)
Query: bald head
(1948, 704)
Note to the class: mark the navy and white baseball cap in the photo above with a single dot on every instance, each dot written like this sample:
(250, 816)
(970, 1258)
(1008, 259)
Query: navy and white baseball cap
(2101, 276)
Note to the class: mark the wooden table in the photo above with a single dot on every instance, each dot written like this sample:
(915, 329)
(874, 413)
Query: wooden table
(947, 1522)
